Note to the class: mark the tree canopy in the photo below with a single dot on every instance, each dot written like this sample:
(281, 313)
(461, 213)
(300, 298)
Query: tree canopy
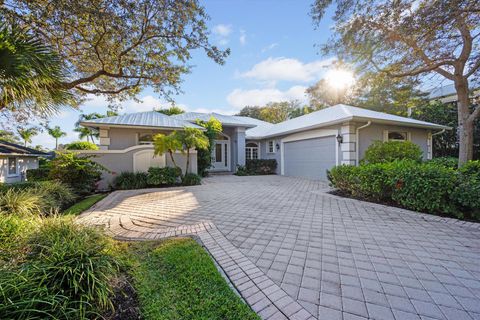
(173, 110)
(412, 38)
(275, 112)
(117, 47)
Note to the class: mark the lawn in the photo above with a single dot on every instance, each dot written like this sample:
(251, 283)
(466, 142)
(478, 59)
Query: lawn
(84, 204)
(176, 279)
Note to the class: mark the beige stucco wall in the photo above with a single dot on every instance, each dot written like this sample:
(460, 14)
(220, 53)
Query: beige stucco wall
(122, 138)
(23, 164)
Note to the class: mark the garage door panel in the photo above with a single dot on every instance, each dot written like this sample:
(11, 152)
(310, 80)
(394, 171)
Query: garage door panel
(309, 158)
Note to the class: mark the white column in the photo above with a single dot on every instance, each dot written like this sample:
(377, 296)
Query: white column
(104, 139)
(348, 145)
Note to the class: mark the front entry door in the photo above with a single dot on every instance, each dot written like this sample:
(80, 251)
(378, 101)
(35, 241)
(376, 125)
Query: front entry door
(221, 156)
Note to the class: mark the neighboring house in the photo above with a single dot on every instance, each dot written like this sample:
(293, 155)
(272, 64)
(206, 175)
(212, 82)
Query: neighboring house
(306, 146)
(448, 94)
(15, 160)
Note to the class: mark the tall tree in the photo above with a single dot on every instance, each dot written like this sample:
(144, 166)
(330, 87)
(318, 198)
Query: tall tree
(413, 38)
(275, 112)
(117, 47)
(27, 134)
(192, 138)
(56, 132)
(30, 73)
(84, 132)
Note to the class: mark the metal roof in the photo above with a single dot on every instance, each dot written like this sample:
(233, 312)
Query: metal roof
(226, 120)
(8, 148)
(334, 115)
(142, 119)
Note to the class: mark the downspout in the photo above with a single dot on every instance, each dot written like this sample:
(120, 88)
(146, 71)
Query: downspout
(439, 132)
(357, 141)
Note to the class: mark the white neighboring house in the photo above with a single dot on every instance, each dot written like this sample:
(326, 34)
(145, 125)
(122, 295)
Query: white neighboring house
(15, 160)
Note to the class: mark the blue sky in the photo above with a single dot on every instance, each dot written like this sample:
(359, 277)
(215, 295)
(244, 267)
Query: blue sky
(273, 58)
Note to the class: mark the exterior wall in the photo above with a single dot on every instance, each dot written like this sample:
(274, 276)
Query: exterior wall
(122, 161)
(23, 164)
(375, 132)
(122, 138)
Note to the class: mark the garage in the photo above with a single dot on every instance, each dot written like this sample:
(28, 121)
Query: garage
(309, 158)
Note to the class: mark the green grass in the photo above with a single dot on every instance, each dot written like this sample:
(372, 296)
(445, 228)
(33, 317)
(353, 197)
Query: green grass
(177, 279)
(85, 204)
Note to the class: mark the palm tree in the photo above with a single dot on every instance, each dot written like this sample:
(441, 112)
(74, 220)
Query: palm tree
(167, 144)
(30, 73)
(27, 134)
(192, 138)
(84, 132)
(56, 132)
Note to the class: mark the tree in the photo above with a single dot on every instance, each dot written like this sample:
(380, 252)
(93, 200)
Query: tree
(116, 48)
(413, 38)
(213, 127)
(250, 111)
(167, 144)
(84, 132)
(9, 136)
(30, 73)
(275, 112)
(81, 145)
(27, 134)
(56, 132)
(192, 138)
(173, 110)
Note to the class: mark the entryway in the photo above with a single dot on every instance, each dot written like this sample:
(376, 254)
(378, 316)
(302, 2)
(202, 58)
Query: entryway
(221, 154)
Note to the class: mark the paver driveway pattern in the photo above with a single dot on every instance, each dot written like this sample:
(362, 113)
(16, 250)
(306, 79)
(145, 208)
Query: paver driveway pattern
(338, 258)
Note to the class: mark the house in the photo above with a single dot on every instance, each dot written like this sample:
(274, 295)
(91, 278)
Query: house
(306, 146)
(15, 160)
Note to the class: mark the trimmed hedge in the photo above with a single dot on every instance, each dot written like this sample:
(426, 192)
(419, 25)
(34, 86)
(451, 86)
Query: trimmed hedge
(427, 187)
(155, 177)
(381, 152)
(166, 176)
(39, 174)
(257, 167)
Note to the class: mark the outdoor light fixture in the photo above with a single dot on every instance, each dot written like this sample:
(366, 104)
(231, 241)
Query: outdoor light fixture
(339, 138)
(277, 146)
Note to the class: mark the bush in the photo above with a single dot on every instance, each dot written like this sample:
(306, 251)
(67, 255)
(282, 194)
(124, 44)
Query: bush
(21, 202)
(448, 162)
(471, 168)
(467, 192)
(40, 174)
(79, 172)
(57, 196)
(191, 179)
(131, 180)
(242, 171)
(345, 178)
(13, 232)
(166, 176)
(66, 274)
(81, 145)
(262, 166)
(380, 152)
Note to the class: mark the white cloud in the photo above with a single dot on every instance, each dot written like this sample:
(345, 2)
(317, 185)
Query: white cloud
(288, 69)
(222, 30)
(270, 47)
(240, 98)
(243, 37)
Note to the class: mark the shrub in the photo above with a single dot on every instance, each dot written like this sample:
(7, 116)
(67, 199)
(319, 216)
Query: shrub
(66, 274)
(13, 232)
(79, 172)
(166, 176)
(191, 179)
(131, 180)
(40, 174)
(57, 195)
(261, 166)
(470, 168)
(345, 178)
(467, 192)
(241, 171)
(380, 152)
(81, 145)
(448, 162)
(22, 202)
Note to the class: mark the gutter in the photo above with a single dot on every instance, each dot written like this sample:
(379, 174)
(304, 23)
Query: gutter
(439, 132)
(357, 140)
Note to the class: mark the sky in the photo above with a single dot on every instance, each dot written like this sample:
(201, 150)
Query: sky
(273, 58)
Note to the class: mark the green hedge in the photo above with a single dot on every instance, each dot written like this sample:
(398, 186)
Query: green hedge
(382, 152)
(39, 174)
(166, 176)
(155, 177)
(427, 187)
(257, 167)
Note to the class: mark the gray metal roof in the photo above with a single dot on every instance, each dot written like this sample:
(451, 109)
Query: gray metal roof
(142, 119)
(8, 148)
(226, 120)
(333, 115)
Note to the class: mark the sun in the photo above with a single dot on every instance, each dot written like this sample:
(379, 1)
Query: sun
(339, 78)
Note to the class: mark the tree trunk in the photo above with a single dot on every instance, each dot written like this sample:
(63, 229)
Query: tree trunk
(171, 157)
(465, 125)
(56, 143)
(188, 161)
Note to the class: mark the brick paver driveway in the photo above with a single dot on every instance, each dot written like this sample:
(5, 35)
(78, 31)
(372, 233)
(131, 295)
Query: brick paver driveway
(338, 258)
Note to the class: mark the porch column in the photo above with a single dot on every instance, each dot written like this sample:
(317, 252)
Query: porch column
(348, 145)
(104, 142)
(240, 147)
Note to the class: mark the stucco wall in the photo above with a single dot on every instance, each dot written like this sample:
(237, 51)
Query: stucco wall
(117, 162)
(375, 132)
(122, 138)
(23, 164)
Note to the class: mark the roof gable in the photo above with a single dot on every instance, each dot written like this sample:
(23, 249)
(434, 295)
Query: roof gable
(8, 148)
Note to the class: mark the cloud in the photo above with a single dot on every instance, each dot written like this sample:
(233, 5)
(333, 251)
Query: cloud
(270, 47)
(240, 98)
(243, 37)
(222, 30)
(287, 69)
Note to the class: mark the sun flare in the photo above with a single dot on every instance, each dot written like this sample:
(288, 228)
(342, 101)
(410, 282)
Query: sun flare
(340, 79)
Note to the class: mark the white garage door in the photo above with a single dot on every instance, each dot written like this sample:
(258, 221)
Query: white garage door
(310, 158)
(142, 160)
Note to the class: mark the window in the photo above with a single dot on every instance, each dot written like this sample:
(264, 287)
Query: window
(396, 136)
(144, 138)
(12, 166)
(271, 146)
(251, 151)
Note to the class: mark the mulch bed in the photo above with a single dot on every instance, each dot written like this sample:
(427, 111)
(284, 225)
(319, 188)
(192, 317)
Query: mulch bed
(125, 301)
